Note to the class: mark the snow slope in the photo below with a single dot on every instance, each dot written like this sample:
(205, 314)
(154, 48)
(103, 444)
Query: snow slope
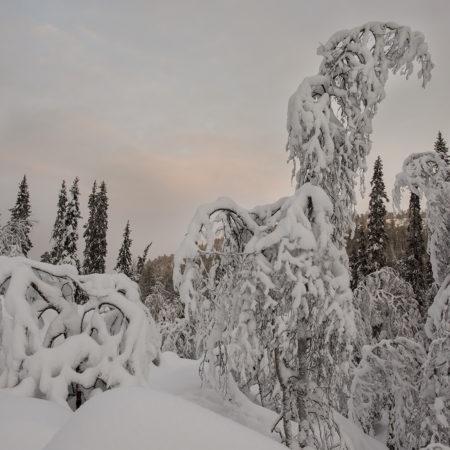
(175, 412)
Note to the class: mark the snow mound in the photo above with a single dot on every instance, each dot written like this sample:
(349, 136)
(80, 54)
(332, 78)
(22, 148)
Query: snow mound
(138, 418)
(28, 423)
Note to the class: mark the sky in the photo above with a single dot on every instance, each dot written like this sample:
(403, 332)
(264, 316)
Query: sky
(175, 103)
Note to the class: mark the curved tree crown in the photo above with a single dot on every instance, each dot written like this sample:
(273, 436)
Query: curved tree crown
(330, 115)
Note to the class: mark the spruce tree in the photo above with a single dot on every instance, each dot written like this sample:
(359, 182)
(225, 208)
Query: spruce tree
(377, 236)
(59, 228)
(359, 263)
(416, 257)
(71, 226)
(20, 221)
(124, 263)
(140, 264)
(101, 227)
(440, 146)
(89, 233)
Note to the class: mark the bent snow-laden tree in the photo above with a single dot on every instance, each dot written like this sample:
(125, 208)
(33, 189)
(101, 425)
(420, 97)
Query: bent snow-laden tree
(270, 302)
(52, 348)
(330, 115)
(427, 173)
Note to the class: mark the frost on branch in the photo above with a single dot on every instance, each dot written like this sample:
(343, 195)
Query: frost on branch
(330, 115)
(270, 301)
(428, 174)
(386, 308)
(387, 381)
(55, 349)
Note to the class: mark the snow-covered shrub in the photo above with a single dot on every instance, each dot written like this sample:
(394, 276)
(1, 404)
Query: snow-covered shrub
(270, 301)
(330, 115)
(410, 382)
(55, 349)
(387, 382)
(12, 236)
(386, 308)
(428, 174)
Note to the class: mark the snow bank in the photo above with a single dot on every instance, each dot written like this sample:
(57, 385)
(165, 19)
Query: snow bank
(139, 419)
(28, 423)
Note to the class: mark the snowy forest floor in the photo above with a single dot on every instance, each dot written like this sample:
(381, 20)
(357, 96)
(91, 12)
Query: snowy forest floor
(176, 412)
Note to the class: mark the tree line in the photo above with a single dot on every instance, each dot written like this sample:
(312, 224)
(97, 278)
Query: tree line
(15, 234)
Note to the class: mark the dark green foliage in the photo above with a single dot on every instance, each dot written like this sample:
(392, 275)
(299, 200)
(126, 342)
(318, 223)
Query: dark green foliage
(59, 229)
(95, 231)
(20, 216)
(71, 225)
(441, 147)
(141, 263)
(416, 261)
(359, 263)
(377, 236)
(124, 263)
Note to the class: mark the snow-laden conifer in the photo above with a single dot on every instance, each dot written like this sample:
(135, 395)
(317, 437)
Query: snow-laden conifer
(376, 225)
(73, 215)
(124, 262)
(20, 221)
(440, 146)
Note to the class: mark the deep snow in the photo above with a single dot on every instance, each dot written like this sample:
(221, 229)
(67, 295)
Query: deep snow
(175, 412)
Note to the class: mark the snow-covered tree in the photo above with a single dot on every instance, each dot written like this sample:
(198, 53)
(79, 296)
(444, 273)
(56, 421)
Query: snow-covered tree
(20, 217)
(376, 225)
(386, 308)
(54, 349)
(359, 263)
(73, 214)
(89, 233)
(59, 228)
(330, 115)
(387, 382)
(271, 304)
(138, 267)
(12, 236)
(95, 231)
(440, 146)
(428, 174)
(416, 261)
(124, 263)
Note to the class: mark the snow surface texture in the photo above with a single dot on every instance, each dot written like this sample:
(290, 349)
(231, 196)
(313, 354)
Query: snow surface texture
(52, 348)
(330, 115)
(177, 412)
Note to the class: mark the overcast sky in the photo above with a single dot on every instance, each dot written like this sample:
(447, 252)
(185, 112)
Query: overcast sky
(175, 103)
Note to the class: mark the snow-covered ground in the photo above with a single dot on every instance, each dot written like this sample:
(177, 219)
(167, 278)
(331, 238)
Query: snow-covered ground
(175, 412)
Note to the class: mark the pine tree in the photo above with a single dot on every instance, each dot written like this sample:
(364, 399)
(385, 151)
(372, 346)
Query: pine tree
(440, 146)
(377, 236)
(20, 216)
(358, 258)
(124, 263)
(59, 229)
(89, 233)
(71, 226)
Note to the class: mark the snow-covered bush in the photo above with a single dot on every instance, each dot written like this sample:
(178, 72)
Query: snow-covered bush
(387, 382)
(428, 174)
(55, 349)
(410, 382)
(330, 115)
(12, 236)
(386, 308)
(270, 301)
